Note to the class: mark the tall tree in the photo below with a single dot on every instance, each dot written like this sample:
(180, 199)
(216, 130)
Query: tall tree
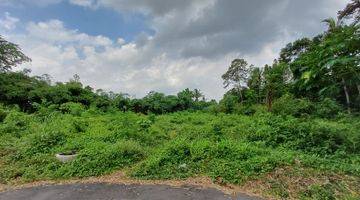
(185, 98)
(274, 82)
(197, 94)
(293, 50)
(343, 58)
(10, 55)
(352, 10)
(331, 65)
(237, 75)
(255, 83)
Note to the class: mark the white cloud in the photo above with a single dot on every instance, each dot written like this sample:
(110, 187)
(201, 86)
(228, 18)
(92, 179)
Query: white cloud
(53, 31)
(120, 41)
(193, 44)
(85, 3)
(113, 67)
(17, 3)
(210, 28)
(8, 22)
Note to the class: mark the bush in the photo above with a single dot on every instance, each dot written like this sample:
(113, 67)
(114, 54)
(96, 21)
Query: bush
(144, 124)
(288, 105)
(229, 148)
(45, 111)
(15, 123)
(43, 142)
(250, 109)
(327, 108)
(98, 158)
(75, 109)
(228, 103)
(80, 125)
(227, 160)
(3, 113)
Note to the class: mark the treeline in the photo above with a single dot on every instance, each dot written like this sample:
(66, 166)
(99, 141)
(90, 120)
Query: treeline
(325, 68)
(319, 74)
(31, 93)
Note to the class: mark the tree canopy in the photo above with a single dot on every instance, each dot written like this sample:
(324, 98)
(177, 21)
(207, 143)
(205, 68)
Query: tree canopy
(10, 55)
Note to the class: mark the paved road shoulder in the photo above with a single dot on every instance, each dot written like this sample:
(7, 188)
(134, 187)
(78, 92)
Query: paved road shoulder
(102, 191)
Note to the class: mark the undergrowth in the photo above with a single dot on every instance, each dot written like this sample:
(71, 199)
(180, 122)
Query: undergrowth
(229, 148)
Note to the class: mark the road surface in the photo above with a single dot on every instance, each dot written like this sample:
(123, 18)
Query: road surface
(99, 191)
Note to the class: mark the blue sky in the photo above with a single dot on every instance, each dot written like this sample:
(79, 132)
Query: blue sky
(136, 46)
(101, 21)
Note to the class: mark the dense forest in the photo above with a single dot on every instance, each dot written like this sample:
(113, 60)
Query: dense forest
(299, 114)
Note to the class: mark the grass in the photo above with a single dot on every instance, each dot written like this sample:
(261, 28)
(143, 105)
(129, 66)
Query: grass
(271, 151)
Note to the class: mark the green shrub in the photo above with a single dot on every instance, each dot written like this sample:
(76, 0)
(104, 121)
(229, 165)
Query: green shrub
(98, 158)
(214, 109)
(249, 109)
(43, 142)
(72, 108)
(144, 124)
(288, 105)
(307, 135)
(327, 108)
(15, 123)
(93, 110)
(3, 113)
(228, 103)
(80, 125)
(43, 111)
(229, 148)
(232, 161)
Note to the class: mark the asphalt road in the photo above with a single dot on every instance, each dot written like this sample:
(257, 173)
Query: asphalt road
(100, 191)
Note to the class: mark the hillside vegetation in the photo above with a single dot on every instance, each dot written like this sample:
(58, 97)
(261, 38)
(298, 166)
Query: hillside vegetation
(229, 148)
(290, 130)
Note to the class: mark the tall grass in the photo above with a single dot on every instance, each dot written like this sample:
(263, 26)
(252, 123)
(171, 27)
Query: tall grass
(228, 148)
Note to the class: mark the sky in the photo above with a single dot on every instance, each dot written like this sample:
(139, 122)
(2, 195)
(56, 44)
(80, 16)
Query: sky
(137, 46)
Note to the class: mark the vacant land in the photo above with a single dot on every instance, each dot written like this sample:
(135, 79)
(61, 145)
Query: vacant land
(286, 129)
(283, 157)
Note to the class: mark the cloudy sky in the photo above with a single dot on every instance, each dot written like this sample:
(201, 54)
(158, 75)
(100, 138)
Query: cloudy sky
(136, 46)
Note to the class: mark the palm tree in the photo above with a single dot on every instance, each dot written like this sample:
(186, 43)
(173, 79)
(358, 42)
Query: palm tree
(332, 24)
(351, 10)
(197, 94)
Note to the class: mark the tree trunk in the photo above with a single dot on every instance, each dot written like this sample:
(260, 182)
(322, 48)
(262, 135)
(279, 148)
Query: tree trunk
(346, 95)
(358, 87)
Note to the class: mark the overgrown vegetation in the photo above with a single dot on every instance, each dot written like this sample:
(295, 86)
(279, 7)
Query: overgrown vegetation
(228, 148)
(296, 119)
